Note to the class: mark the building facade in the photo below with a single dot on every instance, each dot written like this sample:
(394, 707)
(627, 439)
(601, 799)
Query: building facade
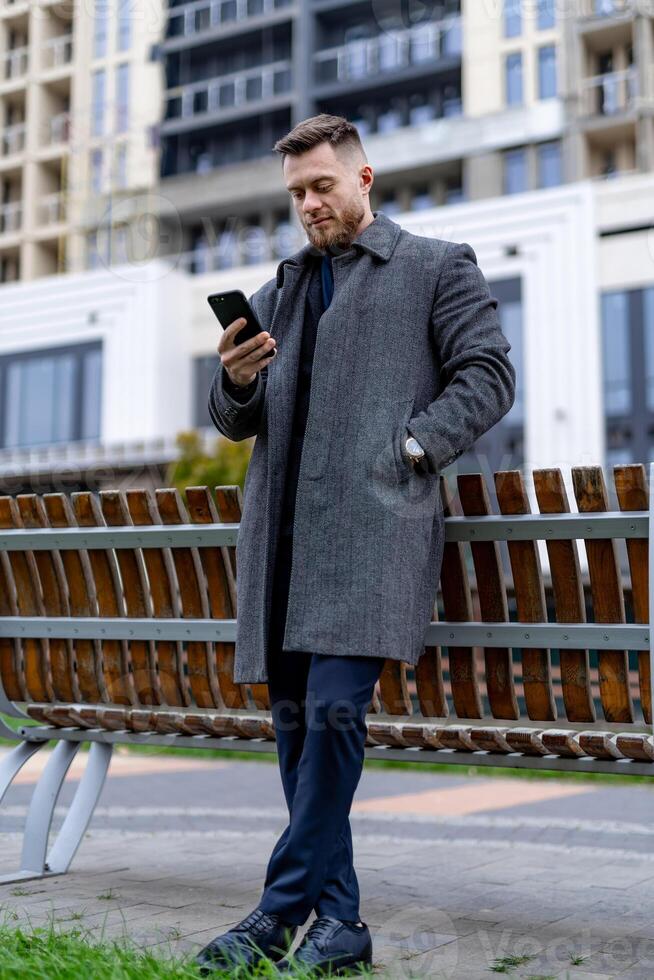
(137, 177)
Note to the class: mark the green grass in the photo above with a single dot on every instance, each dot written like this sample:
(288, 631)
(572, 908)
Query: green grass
(50, 952)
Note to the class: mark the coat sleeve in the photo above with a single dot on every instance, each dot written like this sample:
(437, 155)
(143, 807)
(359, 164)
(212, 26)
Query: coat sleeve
(237, 416)
(476, 376)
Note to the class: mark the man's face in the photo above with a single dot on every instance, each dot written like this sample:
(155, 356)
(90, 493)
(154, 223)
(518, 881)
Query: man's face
(326, 184)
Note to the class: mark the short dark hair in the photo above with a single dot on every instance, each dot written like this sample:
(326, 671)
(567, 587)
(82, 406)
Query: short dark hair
(323, 128)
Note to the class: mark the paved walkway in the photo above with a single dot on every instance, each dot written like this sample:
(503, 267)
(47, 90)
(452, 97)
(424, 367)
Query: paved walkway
(456, 872)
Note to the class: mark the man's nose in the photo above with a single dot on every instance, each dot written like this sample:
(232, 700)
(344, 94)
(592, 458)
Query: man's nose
(311, 204)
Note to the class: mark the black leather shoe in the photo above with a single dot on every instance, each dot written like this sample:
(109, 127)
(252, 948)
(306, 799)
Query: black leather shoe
(332, 947)
(260, 935)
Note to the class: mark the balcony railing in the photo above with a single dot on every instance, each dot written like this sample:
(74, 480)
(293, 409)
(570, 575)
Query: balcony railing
(610, 94)
(193, 18)
(607, 8)
(58, 51)
(229, 91)
(51, 208)
(12, 139)
(57, 129)
(15, 63)
(11, 217)
(389, 51)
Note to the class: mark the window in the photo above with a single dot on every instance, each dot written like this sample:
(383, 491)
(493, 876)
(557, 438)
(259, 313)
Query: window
(100, 28)
(120, 166)
(549, 164)
(98, 101)
(205, 368)
(515, 171)
(513, 69)
(96, 171)
(628, 374)
(502, 446)
(93, 257)
(512, 18)
(122, 97)
(124, 24)
(50, 396)
(390, 205)
(547, 72)
(420, 110)
(421, 199)
(546, 14)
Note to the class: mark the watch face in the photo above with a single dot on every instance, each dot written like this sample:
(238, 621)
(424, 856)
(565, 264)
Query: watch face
(414, 448)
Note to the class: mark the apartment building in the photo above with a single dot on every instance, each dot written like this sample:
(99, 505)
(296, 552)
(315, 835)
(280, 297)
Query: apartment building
(77, 146)
(524, 128)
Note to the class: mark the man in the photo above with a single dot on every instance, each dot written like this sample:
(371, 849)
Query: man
(380, 361)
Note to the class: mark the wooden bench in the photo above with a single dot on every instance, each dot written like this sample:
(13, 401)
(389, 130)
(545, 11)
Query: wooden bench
(117, 623)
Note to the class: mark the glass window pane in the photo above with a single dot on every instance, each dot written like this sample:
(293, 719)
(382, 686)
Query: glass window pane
(511, 318)
(122, 97)
(547, 72)
(124, 23)
(512, 18)
(648, 330)
(98, 100)
(515, 171)
(100, 28)
(546, 14)
(513, 69)
(42, 400)
(91, 394)
(616, 353)
(549, 164)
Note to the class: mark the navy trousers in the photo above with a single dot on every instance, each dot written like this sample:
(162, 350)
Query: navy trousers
(319, 703)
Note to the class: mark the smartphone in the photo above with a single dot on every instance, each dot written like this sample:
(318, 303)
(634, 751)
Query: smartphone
(231, 306)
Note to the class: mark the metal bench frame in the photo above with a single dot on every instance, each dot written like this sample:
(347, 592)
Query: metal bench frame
(38, 861)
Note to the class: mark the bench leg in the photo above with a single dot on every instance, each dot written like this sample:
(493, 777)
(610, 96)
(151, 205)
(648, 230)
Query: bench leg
(36, 861)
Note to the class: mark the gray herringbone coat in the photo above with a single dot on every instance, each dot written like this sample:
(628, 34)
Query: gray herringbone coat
(411, 341)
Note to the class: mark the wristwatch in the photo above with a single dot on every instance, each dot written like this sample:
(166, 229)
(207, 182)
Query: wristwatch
(413, 449)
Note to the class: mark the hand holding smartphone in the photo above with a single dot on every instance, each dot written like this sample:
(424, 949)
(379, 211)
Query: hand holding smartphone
(244, 347)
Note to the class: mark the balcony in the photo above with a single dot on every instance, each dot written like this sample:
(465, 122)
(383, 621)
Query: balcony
(389, 53)
(15, 64)
(57, 52)
(189, 20)
(606, 9)
(12, 139)
(609, 95)
(51, 209)
(57, 129)
(11, 217)
(226, 95)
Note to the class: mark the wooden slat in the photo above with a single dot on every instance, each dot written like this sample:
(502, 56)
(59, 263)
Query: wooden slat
(530, 599)
(568, 593)
(12, 665)
(81, 592)
(116, 657)
(137, 599)
(194, 603)
(457, 607)
(492, 599)
(221, 588)
(393, 691)
(229, 504)
(55, 600)
(608, 600)
(633, 494)
(23, 570)
(170, 656)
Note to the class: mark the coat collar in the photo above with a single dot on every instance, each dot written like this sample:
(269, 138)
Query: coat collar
(379, 238)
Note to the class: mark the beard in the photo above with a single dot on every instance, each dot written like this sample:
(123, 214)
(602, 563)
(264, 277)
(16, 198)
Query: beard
(341, 230)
